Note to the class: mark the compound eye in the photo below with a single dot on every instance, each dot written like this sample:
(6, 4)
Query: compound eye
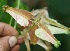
(5, 7)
